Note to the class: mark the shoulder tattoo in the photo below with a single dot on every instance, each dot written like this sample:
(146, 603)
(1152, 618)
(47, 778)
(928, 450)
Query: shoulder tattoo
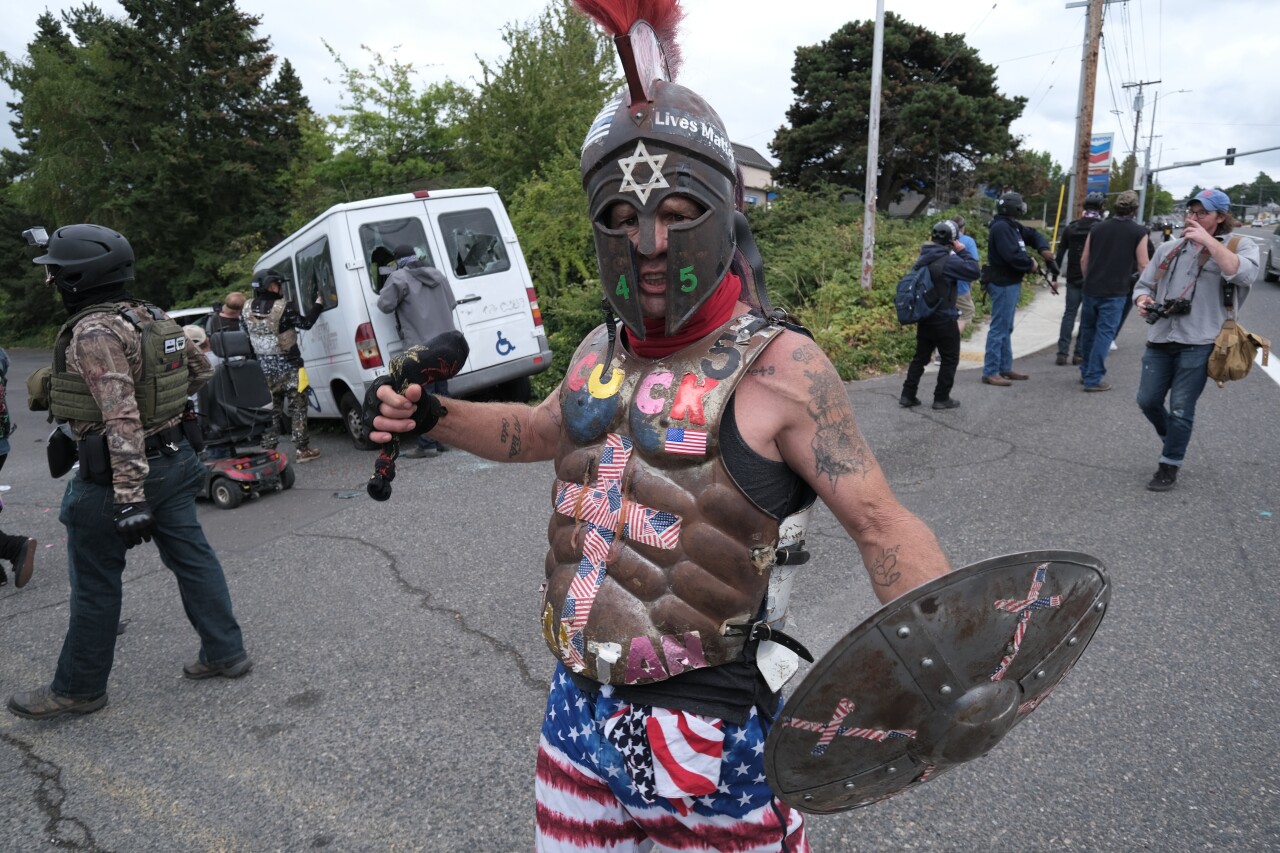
(838, 448)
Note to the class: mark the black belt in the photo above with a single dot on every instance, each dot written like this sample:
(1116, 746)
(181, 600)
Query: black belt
(165, 441)
(763, 631)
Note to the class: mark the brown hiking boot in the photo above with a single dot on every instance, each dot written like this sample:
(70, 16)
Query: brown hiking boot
(200, 670)
(307, 454)
(995, 380)
(44, 704)
(1061, 359)
(1013, 374)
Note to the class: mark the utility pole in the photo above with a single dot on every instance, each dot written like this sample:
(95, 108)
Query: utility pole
(1137, 108)
(1084, 107)
(873, 152)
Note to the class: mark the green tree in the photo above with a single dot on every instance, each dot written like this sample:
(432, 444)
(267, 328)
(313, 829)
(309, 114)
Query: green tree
(164, 124)
(390, 137)
(539, 100)
(938, 103)
(1033, 174)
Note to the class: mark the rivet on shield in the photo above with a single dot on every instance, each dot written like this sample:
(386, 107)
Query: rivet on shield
(926, 662)
(849, 786)
(891, 770)
(904, 632)
(808, 798)
(1073, 641)
(946, 690)
(1098, 607)
(1040, 674)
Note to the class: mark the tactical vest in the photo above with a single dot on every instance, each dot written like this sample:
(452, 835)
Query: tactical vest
(161, 391)
(264, 331)
(657, 558)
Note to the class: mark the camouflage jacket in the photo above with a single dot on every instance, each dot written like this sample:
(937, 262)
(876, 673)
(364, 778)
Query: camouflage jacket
(106, 352)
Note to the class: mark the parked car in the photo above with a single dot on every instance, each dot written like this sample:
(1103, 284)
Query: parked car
(1271, 266)
(467, 235)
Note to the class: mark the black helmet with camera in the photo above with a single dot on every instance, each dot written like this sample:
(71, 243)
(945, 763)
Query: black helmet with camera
(262, 279)
(83, 258)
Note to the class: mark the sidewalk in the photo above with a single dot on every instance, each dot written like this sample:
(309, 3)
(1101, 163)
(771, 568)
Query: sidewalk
(1035, 327)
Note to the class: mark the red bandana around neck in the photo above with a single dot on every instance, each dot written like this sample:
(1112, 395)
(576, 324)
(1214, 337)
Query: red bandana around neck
(711, 315)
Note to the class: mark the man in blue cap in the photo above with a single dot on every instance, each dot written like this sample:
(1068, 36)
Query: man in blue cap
(1191, 286)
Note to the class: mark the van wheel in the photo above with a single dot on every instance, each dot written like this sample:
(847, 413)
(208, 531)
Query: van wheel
(353, 418)
(518, 390)
(226, 494)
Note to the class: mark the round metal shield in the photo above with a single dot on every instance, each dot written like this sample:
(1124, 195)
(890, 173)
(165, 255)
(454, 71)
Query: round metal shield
(934, 679)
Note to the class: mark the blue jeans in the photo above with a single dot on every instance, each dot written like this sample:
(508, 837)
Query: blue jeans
(1075, 293)
(96, 560)
(1004, 301)
(1099, 322)
(441, 389)
(1179, 371)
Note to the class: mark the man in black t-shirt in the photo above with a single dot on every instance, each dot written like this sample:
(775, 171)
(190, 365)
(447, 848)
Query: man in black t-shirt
(1114, 254)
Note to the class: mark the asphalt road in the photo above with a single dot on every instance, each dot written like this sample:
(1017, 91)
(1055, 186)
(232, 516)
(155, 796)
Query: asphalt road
(401, 676)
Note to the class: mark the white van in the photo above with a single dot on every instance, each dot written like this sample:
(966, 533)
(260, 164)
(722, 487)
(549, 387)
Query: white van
(466, 234)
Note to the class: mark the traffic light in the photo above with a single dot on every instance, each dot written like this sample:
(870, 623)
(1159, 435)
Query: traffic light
(1231, 160)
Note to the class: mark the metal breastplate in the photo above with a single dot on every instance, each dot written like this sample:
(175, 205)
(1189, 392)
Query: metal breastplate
(654, 549)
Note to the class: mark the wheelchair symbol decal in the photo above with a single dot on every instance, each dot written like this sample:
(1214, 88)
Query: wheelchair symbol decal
(504, 346)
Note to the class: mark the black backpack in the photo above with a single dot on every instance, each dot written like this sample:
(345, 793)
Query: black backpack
(917, 296)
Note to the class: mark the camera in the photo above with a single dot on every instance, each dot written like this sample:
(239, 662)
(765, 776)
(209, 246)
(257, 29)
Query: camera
(1170, 308)
(37, 236)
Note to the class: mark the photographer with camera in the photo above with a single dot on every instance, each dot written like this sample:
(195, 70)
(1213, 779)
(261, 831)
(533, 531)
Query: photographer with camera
(1192, 285)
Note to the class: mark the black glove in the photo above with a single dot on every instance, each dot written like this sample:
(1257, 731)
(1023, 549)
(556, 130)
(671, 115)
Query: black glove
(429, 412)
(1053, 266)
(134, 523)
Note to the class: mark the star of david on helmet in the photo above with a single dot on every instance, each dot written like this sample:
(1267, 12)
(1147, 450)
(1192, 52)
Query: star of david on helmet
(653, 140)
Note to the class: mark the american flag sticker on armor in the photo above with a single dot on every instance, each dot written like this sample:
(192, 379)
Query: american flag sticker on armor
(690, 442)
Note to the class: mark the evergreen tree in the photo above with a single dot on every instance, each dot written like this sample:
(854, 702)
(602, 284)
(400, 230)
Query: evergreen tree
(938, 102)
(165, 125)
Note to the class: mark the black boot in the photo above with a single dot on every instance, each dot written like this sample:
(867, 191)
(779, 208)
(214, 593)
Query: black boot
(1165, 479)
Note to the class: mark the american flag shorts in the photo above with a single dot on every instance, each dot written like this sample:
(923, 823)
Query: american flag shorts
(603, 765)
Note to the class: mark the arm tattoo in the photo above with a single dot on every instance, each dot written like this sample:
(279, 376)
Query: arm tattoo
(884, 570)
(803, 355)
(511, 430)
(838, 448)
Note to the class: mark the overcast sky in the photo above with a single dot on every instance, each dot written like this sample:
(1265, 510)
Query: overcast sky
(1222, 51)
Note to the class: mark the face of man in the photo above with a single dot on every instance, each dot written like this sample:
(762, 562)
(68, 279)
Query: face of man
(648, 233)
(1206, 219)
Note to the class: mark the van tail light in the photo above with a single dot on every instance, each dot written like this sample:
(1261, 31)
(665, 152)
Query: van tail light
(367, 346)
(533, 306)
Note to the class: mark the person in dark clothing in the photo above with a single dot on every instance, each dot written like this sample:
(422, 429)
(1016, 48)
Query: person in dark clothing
(1071, 247)
(20, 551)
(1008, 262)
(1114, 254)
(228, 316)
(948, 260)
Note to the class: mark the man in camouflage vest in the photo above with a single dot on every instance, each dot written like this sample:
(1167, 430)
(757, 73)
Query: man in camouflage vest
(273, 323)
(121, 377)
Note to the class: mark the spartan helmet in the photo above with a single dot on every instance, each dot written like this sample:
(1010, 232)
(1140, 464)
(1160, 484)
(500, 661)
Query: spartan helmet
(655, 139)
